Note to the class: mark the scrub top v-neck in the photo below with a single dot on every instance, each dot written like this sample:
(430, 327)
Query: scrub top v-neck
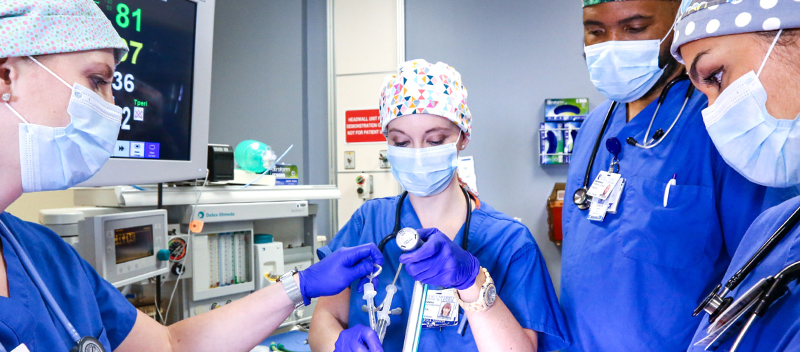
(91, 304)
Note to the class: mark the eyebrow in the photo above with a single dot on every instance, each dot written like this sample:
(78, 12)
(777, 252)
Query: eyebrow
(396, 130)
(634, 18)
(620, 22)
(693, 69)
(101, 68)
(436, 129)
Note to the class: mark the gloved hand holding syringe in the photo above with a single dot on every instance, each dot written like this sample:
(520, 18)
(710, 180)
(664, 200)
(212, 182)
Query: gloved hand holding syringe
(408, 240)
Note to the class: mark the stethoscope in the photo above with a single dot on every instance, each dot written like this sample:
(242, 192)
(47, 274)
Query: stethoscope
(581, 198)
(725, 314)
(464, 241)
(398, 227)
(82, 344)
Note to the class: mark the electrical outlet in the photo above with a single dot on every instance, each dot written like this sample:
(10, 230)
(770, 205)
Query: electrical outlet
(349, 160)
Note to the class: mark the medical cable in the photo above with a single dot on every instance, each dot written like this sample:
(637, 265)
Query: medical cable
(37, 280)
(180, 273)
(762, 252)
(716, 302)
(580, 198)
(660, 135)
(268, 170)
(777, 289)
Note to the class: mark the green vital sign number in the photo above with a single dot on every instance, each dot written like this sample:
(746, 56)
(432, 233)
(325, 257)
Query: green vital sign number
(123, 11)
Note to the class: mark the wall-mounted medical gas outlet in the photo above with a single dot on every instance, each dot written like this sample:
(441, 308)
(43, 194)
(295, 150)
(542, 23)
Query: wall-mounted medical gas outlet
(365, 187)
(384, 159)
(349, 160)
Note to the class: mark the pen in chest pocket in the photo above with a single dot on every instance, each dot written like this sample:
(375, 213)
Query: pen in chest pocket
(671, 183)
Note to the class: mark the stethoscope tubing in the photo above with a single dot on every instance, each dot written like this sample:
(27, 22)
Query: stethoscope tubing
(37, 280)
(398, 214)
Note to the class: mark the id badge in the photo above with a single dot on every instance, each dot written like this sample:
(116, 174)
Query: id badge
(616, 194)
(441, 309)
(598, 210)
(603, 185)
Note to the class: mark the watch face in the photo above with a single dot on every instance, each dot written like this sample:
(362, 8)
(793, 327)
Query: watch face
(491, 295)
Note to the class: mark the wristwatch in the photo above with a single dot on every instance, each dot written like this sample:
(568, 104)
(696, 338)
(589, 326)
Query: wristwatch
(292, 290)
(486, 297)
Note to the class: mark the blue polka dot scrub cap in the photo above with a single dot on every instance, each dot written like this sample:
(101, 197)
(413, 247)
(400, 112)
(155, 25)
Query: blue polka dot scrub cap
(41, 27)
(712, 18)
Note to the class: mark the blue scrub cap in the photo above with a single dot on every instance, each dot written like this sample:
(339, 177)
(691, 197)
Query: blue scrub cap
(41, 27)
(713, 18)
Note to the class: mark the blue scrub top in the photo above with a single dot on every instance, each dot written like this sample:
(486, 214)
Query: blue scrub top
(630, 283)
(503, 246)
(779, 329)
(90, 303)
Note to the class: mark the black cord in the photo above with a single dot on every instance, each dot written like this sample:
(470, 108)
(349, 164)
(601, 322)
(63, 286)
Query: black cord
(397, 214)
(160, 204)
(765, 249)
(597, 144)
(465, 239)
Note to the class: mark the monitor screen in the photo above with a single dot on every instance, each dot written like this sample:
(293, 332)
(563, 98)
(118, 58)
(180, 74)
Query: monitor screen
(133, 243)
(153, 83)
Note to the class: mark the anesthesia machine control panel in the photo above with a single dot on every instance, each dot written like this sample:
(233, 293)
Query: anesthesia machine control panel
(127, 247)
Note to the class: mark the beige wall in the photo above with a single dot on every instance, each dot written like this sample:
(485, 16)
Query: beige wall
(28, 206)
(366, 34)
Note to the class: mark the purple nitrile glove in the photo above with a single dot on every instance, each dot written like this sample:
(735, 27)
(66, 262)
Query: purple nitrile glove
(441, 262)
(338, 270)
(358, 339)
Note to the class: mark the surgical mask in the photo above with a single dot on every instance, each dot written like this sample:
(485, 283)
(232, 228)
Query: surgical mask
(624, 71)
(56, 158)
(765, 150)
(424, 172)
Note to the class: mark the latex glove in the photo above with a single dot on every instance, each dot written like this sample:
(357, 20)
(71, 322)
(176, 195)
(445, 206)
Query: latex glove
(440, 262)
(337, 271)
(358, 339)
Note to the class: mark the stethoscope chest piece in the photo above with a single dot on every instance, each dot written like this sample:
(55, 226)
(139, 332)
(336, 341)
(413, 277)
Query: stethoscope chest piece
(88, 344)
(581, 199)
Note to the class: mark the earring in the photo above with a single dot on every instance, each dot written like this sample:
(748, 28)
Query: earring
(6, 96)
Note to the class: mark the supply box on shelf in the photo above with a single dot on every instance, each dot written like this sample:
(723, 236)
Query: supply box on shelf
(563, 119)
(285, 174)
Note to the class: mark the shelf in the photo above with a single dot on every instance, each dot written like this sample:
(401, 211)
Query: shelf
(126, 196)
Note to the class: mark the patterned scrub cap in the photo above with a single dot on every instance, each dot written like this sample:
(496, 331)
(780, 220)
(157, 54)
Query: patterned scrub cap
(712, 18)
(419, 87)
(595, 2)
(41, 27)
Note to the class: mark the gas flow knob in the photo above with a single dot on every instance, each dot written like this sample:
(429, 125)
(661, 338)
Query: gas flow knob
(364, 188)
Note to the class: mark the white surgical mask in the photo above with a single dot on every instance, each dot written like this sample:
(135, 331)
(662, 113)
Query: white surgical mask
(765, 150)
(624, 71)
(56, 158)
(424, 172)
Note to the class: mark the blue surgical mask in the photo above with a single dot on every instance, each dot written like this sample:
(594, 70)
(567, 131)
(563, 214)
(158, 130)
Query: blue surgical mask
(624, 71)
(765, 150)
(56, 158)
(424, 172)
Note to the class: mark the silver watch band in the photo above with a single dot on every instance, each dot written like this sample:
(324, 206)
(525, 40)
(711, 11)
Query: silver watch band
(292, 290)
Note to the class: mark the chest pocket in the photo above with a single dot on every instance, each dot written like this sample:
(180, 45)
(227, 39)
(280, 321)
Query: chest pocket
(673, 236)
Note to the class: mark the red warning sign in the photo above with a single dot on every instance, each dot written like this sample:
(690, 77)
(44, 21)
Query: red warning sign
(363, 126)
